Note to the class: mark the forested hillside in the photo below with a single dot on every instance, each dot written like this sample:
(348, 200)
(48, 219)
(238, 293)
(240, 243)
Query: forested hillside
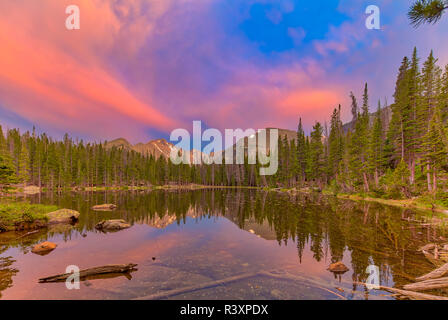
(398, 151)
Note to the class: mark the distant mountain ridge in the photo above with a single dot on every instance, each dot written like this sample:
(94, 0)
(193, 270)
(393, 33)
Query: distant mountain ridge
(156, 148)
(161, 147)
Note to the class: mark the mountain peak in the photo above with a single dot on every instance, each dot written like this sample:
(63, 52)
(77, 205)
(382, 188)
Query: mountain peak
(157, 148)
(119, 143)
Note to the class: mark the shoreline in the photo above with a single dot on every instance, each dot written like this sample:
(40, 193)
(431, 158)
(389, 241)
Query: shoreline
(403, 203)
(413, 203)
(15, 209)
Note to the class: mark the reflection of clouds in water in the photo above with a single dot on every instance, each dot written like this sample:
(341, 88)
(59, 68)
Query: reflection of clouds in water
(205, 235)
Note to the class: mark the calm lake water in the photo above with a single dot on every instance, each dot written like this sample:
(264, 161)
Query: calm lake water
(201, 236)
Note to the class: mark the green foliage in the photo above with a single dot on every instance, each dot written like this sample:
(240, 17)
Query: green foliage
(316, 153)
(7, 172)
(427, 11)
(399, 151)
(334, 187)
(12, 212)
(396, 182)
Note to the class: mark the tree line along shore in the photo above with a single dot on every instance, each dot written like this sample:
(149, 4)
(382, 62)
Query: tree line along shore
(398, 152)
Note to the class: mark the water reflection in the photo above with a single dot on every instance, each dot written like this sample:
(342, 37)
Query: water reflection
(322, 229)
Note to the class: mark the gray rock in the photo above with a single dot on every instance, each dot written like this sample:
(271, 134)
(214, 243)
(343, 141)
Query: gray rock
(112, 225)
(63, 216)
(104, 207)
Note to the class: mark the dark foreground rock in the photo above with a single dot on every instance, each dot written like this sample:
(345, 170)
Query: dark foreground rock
(112, 225)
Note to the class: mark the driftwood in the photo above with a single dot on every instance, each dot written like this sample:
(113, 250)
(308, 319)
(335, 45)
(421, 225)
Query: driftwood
(428, 284)
(27, 234)
(117, 268)
(427, 247)
(211, 284)
(438, 273)
(431, 258)
(410, 294)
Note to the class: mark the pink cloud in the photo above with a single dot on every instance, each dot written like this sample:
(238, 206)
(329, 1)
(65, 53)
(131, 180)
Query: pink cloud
(55, 76)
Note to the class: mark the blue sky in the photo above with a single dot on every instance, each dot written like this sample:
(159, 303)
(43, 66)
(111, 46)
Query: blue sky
(140, 68)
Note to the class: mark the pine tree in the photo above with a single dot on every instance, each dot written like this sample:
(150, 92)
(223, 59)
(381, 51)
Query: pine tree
(301, 152)
(409, 115)
(316, 157)
(427, 11)
(435, 148)
(396, 133)
(24, 165)
(7, 169)
(355, 109)
(376, 146)
(335, 142)
(430, 91)
(359, 143)
(443, 96)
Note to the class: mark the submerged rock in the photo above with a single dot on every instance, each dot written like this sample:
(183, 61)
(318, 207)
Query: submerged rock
(112, 225)
(278, 295)
(104, 207)
(60, 228)
(44, 248)
(338, 267)
(63, 216)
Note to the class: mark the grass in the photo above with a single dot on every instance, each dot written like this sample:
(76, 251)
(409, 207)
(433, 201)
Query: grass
(12, 212)
(420, 203)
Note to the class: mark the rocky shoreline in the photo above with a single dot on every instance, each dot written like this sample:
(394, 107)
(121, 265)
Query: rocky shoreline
(62, 216)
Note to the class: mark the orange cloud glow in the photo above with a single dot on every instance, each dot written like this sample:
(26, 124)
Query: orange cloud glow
(51, 75)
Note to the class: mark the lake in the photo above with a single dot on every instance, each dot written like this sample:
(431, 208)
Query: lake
(281, 245)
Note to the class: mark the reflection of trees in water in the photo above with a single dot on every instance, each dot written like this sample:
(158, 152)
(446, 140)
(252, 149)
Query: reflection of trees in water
(6, 273)
(372, 233)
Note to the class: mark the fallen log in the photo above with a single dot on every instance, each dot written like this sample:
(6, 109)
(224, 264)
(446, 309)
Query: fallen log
(438, 273)
(432, 259)
(409, 294)
(27, 234)
(117, 268)
(428, 284)
(427, 247)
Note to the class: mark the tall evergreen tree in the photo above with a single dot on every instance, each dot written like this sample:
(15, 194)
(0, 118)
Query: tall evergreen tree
(376, 146)
(316, 156)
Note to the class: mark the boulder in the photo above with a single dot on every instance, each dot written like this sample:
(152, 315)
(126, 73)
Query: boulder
(338, 267)
(44, 248)
(31, 190)
(112, 225)
(104, 207)
(63, 216)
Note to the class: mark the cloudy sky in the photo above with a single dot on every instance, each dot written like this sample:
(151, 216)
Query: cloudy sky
(140, 68)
